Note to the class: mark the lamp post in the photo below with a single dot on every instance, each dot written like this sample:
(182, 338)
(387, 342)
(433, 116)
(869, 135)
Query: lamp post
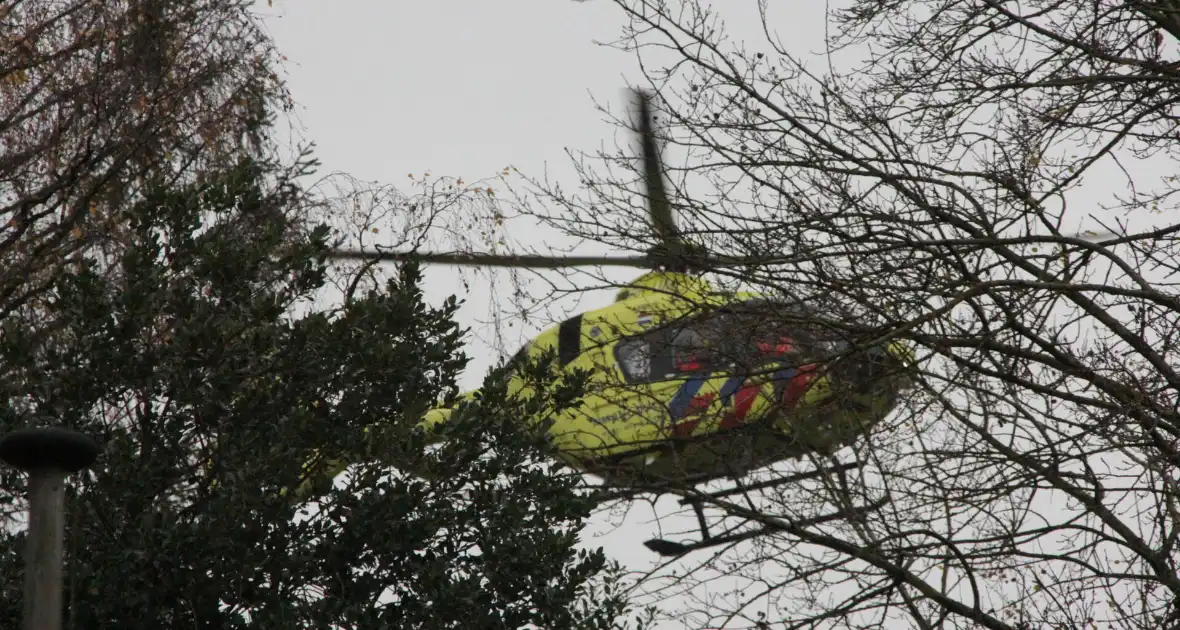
(48, 454)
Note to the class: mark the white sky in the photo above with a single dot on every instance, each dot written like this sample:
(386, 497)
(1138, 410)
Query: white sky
(452, 88)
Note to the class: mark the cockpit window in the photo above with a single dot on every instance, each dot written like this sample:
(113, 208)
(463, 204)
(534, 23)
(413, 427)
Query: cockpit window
(723, 341)
(728, 341)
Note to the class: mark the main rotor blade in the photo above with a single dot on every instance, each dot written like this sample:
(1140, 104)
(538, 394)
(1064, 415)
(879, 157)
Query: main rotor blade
(653, 173)
(532, 261)
(539, 261)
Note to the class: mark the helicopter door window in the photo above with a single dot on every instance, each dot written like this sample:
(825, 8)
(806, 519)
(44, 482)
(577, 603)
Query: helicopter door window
(634, 357)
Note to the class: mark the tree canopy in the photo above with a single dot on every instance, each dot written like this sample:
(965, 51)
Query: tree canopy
(209, 381)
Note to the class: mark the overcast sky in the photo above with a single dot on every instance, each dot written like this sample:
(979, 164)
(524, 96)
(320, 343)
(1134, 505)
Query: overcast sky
(451, 87)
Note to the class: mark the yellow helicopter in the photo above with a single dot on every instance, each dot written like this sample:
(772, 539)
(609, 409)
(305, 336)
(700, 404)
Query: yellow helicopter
(689, 384)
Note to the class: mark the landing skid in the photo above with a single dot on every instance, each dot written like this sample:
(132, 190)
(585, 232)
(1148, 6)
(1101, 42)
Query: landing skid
(658, 487)
(770, 483)
(669, 548)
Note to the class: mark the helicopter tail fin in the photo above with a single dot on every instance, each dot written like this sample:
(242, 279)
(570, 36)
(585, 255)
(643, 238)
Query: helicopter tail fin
(320, 471)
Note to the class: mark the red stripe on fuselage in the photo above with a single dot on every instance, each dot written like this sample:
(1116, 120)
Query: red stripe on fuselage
(698, 404)
(797, 386)
(684, 429)
(743, 400)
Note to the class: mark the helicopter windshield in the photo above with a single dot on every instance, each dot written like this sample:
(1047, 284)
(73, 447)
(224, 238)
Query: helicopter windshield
(722, 341)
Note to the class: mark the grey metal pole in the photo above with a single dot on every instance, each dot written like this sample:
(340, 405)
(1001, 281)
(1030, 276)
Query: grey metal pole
(48, 454)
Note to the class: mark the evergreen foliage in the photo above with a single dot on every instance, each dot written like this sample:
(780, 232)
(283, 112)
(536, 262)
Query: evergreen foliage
(197, 357)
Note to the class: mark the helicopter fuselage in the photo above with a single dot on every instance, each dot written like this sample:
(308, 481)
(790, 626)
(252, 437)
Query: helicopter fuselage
(689, 386)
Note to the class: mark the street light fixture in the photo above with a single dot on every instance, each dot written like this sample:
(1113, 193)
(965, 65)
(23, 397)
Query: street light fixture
(48, 454)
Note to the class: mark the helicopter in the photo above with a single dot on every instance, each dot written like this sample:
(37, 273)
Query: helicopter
(689, 384)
